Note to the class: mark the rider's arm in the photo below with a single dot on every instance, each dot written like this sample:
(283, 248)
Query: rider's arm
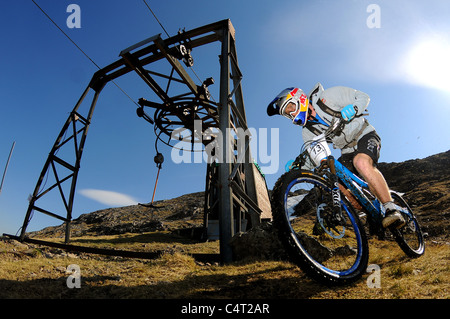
(338, 97)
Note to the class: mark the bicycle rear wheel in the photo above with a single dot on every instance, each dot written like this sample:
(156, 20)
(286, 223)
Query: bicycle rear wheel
(409, 237)
(329, 251)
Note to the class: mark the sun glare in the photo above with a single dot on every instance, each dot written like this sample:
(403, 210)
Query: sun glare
(428, 64)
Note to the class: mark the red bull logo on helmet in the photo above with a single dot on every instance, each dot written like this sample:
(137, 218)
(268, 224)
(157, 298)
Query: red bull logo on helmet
(292, 94)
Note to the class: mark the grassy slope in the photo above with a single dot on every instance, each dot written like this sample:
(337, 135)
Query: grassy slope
(28, 271)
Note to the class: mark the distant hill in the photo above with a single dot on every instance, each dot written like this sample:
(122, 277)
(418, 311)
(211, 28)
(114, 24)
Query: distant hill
(426, 187)
(424, 182)
(183, 212)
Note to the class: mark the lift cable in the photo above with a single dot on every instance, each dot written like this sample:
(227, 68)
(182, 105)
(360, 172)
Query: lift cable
(156, 18)
(81, 50)
(154, 15)
(6, 167)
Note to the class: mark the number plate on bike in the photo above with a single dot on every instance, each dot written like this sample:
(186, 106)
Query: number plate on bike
(318, 149)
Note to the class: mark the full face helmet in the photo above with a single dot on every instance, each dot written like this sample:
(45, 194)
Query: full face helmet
(282, 100)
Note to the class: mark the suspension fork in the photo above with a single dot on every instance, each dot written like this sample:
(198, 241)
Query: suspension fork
(335, 192)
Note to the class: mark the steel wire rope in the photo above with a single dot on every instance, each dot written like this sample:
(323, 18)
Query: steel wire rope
(81, 50)
(164, 29)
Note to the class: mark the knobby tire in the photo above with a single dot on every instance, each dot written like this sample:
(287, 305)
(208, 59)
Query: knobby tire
(294, 245)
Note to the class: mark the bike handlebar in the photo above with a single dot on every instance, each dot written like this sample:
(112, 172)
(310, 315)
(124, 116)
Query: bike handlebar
(335, 127)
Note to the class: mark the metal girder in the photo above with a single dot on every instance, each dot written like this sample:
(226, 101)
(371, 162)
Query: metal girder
(53, 161)
(149, 54)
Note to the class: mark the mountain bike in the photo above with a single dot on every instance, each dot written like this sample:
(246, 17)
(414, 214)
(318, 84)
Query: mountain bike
(319, 213)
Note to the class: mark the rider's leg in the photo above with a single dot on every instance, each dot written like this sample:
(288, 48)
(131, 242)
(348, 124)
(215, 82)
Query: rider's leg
(365, 163)
(377, 184)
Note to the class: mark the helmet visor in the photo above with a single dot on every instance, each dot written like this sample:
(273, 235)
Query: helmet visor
(273, 108)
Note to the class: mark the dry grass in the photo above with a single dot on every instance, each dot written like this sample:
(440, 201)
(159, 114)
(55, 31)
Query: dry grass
(28, 271)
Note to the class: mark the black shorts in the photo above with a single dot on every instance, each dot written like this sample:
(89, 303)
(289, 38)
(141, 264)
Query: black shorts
(369, 144)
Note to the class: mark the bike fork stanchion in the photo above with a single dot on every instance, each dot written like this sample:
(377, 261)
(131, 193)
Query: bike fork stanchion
(336, 194)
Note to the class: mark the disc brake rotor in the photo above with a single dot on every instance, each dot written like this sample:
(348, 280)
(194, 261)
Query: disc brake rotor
(322, 217)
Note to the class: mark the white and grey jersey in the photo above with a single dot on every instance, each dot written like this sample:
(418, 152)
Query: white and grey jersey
(329, 103)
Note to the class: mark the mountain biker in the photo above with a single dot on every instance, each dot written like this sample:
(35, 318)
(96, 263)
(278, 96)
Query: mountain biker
(358, 141)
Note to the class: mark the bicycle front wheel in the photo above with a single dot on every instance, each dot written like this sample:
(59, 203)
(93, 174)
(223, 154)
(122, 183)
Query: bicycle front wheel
(329, 251)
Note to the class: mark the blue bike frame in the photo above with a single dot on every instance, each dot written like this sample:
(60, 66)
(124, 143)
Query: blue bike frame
(355, 184)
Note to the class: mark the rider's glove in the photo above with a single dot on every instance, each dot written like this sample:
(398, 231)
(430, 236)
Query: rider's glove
(349, 112)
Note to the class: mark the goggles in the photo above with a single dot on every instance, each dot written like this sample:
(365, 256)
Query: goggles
(284, 99)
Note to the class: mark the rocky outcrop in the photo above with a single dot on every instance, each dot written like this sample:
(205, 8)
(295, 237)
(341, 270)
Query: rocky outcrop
(426, 187)
(181, 212)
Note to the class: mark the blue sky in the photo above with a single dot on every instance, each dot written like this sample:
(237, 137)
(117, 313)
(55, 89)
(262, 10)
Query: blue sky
(403, 66)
